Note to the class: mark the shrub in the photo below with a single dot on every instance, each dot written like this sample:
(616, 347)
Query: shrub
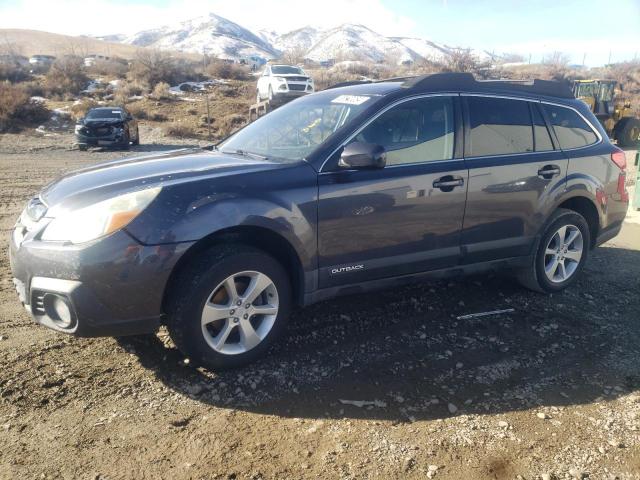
(81, 107)
(110, 68)
(13, 72)
(230, 123)
(161, 91)
(151, 67)
(181, 130)
(125, 91)
(226, 70)
(138, 112)
(66, 76)
(18, 110)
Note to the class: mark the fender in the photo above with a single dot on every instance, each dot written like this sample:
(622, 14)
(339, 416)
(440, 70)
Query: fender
(283, 200)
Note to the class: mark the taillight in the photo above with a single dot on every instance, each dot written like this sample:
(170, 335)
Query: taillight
(619, 158)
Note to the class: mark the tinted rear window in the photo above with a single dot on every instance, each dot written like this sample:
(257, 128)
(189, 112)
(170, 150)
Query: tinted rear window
(499, 126)
(572, 131)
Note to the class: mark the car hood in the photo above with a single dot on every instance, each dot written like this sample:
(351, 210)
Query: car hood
(105, 180)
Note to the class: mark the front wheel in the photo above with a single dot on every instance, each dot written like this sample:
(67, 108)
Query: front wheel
(229, 306)
(137, 140)
(560, 255)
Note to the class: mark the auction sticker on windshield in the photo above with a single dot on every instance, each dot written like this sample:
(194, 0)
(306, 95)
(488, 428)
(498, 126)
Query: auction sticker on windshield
(350, 99)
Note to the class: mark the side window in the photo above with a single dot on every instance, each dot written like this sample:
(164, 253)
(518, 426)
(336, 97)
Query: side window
(420, 130)
(572, 131)
(499, 126)
(540, 133)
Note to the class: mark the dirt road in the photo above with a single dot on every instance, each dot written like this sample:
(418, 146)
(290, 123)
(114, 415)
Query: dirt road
(384, 386)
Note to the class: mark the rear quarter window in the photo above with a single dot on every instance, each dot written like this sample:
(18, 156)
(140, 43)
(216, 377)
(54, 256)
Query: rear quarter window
(572, 131)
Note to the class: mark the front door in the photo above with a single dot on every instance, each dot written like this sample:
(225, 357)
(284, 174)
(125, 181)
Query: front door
(403, 218)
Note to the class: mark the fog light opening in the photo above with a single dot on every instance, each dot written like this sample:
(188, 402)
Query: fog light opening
(59, 310)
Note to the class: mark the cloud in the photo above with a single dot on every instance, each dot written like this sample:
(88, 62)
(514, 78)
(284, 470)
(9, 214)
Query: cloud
(100, 17)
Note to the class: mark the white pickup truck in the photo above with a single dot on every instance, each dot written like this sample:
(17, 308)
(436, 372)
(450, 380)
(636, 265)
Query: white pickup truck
(283, 81)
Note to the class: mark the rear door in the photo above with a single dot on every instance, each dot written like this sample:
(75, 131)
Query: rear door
(515, 173)
(405, 217)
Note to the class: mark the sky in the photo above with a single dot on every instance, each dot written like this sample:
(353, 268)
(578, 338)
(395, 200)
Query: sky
(589, 30)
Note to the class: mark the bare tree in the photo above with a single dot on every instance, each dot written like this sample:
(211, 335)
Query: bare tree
(461, 60)
(294, 55)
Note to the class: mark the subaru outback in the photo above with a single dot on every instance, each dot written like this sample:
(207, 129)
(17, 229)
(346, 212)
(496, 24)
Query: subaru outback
(357, 187)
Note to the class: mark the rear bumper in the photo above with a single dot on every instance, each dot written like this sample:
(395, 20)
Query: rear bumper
(608, 233)
(111, 287)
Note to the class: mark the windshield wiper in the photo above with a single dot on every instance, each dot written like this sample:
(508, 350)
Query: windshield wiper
(244, 153)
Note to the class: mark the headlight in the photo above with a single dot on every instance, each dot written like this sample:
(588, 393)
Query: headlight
(79, 128)
(99, 219)
(281, 80)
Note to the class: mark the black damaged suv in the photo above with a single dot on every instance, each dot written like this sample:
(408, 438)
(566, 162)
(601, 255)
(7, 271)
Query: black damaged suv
(107, 127)
(358, 187)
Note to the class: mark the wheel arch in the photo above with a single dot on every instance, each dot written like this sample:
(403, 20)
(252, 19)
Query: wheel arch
(587, 208)
(262, 238)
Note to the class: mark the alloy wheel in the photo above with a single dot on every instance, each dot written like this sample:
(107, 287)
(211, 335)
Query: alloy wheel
(240, 312)
(563, 253)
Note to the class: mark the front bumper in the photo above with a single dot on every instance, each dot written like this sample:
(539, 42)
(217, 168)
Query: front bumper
(112, 287)
(113, 139)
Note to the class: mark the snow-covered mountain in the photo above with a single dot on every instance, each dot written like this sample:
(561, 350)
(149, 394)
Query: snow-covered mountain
(218, 36)
(357, 42)
(223, 38)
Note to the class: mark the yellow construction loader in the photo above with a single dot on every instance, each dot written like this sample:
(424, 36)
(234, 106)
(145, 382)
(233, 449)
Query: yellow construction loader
(616, 116)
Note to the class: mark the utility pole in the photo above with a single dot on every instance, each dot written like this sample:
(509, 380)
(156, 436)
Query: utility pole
(208, 117)
(584, 58)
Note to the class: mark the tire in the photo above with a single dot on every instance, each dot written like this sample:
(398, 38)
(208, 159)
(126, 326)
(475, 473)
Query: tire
(629, 133)
(536, 277)
(126, 141)
(203, 283)
(137, 140)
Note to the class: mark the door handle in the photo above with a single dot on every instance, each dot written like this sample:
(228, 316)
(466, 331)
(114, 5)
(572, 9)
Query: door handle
(448, 183)
(549, 171)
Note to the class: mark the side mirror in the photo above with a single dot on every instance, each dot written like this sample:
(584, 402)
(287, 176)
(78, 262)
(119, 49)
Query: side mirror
(360, 155)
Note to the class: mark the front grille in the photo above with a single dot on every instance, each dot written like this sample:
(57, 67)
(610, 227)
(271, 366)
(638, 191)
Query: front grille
(102, 131)
(293, 86)
(296, 79)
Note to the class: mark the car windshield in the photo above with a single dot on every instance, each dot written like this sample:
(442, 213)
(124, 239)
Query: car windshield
(285, 69)
(294, 130)
(104, 113)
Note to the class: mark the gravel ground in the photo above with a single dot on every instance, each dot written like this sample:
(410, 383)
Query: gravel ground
(384, 386)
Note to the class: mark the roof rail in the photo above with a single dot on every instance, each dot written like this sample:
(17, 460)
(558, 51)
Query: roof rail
(466, 81)
(361, 82)
(348, 84)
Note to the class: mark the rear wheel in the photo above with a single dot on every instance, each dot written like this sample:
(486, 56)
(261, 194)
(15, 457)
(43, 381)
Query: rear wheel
(560, 255)
(229, 306)
(630, 133)
(258, 97)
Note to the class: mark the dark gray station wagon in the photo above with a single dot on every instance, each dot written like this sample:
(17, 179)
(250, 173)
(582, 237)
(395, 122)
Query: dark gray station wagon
(357, 187)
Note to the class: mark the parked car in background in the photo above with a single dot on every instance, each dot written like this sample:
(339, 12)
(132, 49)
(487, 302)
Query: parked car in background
(355, 188)
(107, 127)
(283, 81)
